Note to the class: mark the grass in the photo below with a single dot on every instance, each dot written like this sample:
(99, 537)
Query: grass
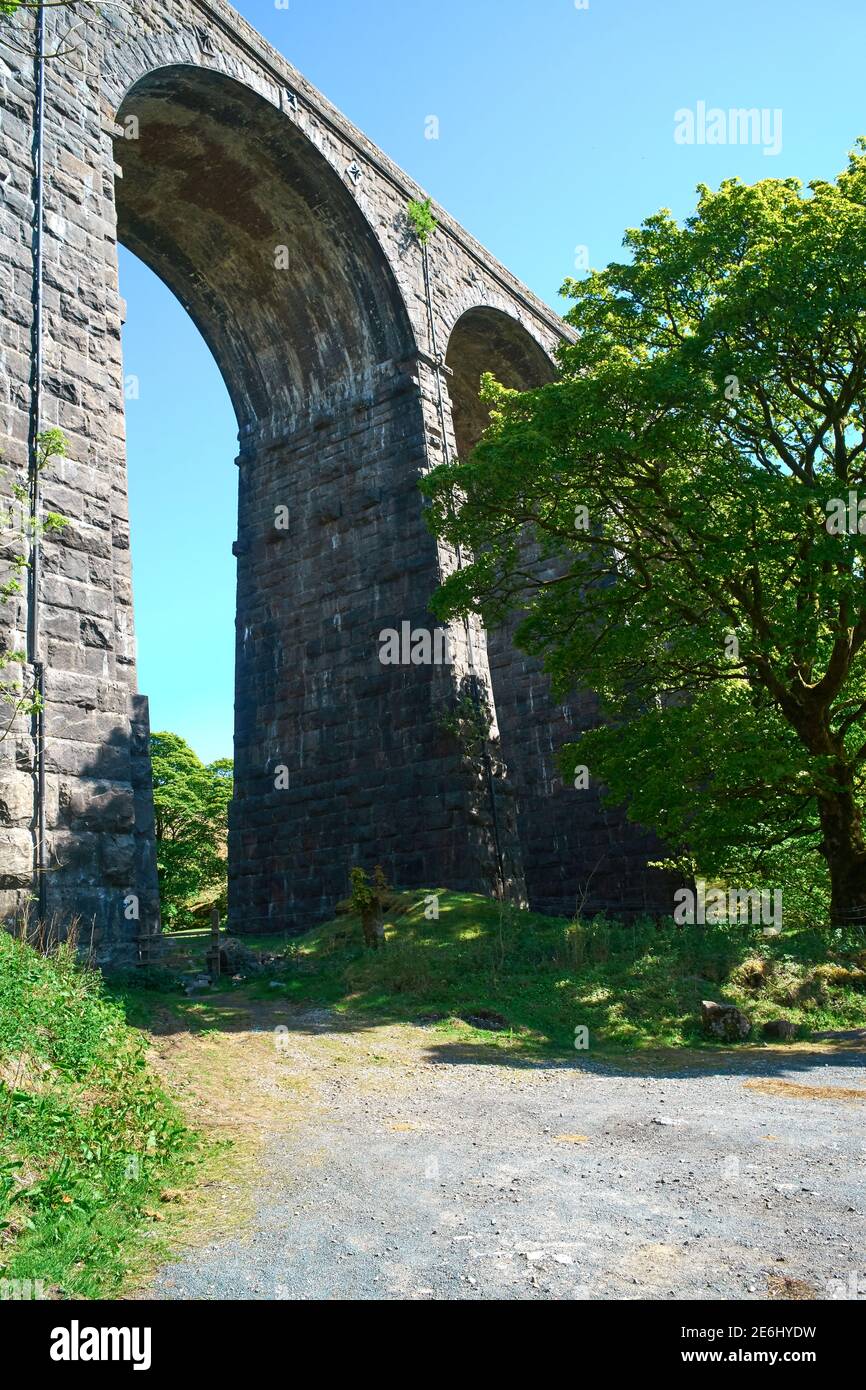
(90, 1146)
(94, 1154)
(633, 986)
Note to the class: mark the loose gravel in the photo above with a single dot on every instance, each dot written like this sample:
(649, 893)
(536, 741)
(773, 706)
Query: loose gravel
(415, 1167)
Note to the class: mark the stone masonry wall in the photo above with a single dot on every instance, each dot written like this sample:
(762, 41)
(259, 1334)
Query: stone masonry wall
(335, 377)
(368, 773)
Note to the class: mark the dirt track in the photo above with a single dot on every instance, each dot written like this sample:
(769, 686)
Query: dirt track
(393, 1163)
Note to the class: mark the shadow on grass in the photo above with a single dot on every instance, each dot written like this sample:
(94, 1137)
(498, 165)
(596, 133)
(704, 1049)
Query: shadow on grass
(636, 987)
(236, 1012)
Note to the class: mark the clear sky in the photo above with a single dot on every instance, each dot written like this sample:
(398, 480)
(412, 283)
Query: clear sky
(556, 131)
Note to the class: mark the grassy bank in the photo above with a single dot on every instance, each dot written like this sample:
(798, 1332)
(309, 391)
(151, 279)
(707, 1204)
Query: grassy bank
(93, 1152)
(634, 986)
(89, 1143)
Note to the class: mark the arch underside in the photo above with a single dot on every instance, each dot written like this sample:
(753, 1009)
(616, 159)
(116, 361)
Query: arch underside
(488, 340)
(239, 213)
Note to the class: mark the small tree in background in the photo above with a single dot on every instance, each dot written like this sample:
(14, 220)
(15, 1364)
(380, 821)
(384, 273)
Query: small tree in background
(421, 217)
(369, 902)
(191, 801)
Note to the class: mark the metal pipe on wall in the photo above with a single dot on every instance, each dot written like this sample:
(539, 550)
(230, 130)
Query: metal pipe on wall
(34, 652)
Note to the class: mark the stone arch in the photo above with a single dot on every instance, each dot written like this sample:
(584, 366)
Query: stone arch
(241, 215)
(577, 854)
(489, 339)
(335, 375)
(486, 339)
(337, 760)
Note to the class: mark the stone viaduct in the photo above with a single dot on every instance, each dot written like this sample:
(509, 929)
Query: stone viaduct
(352, 359)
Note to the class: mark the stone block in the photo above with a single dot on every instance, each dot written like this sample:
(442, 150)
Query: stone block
(16, 798)
(16, 857)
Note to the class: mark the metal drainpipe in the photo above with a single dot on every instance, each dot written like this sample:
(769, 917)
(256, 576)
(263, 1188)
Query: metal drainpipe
(34, 654)
(485, 752)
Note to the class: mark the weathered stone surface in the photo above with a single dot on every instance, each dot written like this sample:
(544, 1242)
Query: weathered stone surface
(781, 1028)
(724, 1021)
(16, 857)
(16, 800)
(118, 859)
(108, 806)
(284, 231)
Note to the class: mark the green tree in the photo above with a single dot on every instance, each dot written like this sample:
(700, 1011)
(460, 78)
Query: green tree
(191, 801)
(678, 519)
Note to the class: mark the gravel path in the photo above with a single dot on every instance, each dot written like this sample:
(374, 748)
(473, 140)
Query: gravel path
(408, 1166)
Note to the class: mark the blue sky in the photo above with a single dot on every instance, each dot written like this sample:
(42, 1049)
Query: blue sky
(556, 131)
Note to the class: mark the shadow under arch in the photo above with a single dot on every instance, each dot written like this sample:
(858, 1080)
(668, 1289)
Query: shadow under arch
(234, 207)
(578, 854)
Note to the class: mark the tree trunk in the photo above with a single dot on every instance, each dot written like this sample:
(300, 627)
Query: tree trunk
(369, 916)
(843, 848)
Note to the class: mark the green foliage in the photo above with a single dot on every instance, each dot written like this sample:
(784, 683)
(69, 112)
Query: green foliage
(87, 1137)
(50, 444)
(658, 515)
(191, 801)
(470, 719)
(697, 773)
(10, 7)
(635, 985)
(421, 218)
(362, 896)
(19, 528)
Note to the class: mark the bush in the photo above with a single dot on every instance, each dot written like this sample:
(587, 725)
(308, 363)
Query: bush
(635, 984)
